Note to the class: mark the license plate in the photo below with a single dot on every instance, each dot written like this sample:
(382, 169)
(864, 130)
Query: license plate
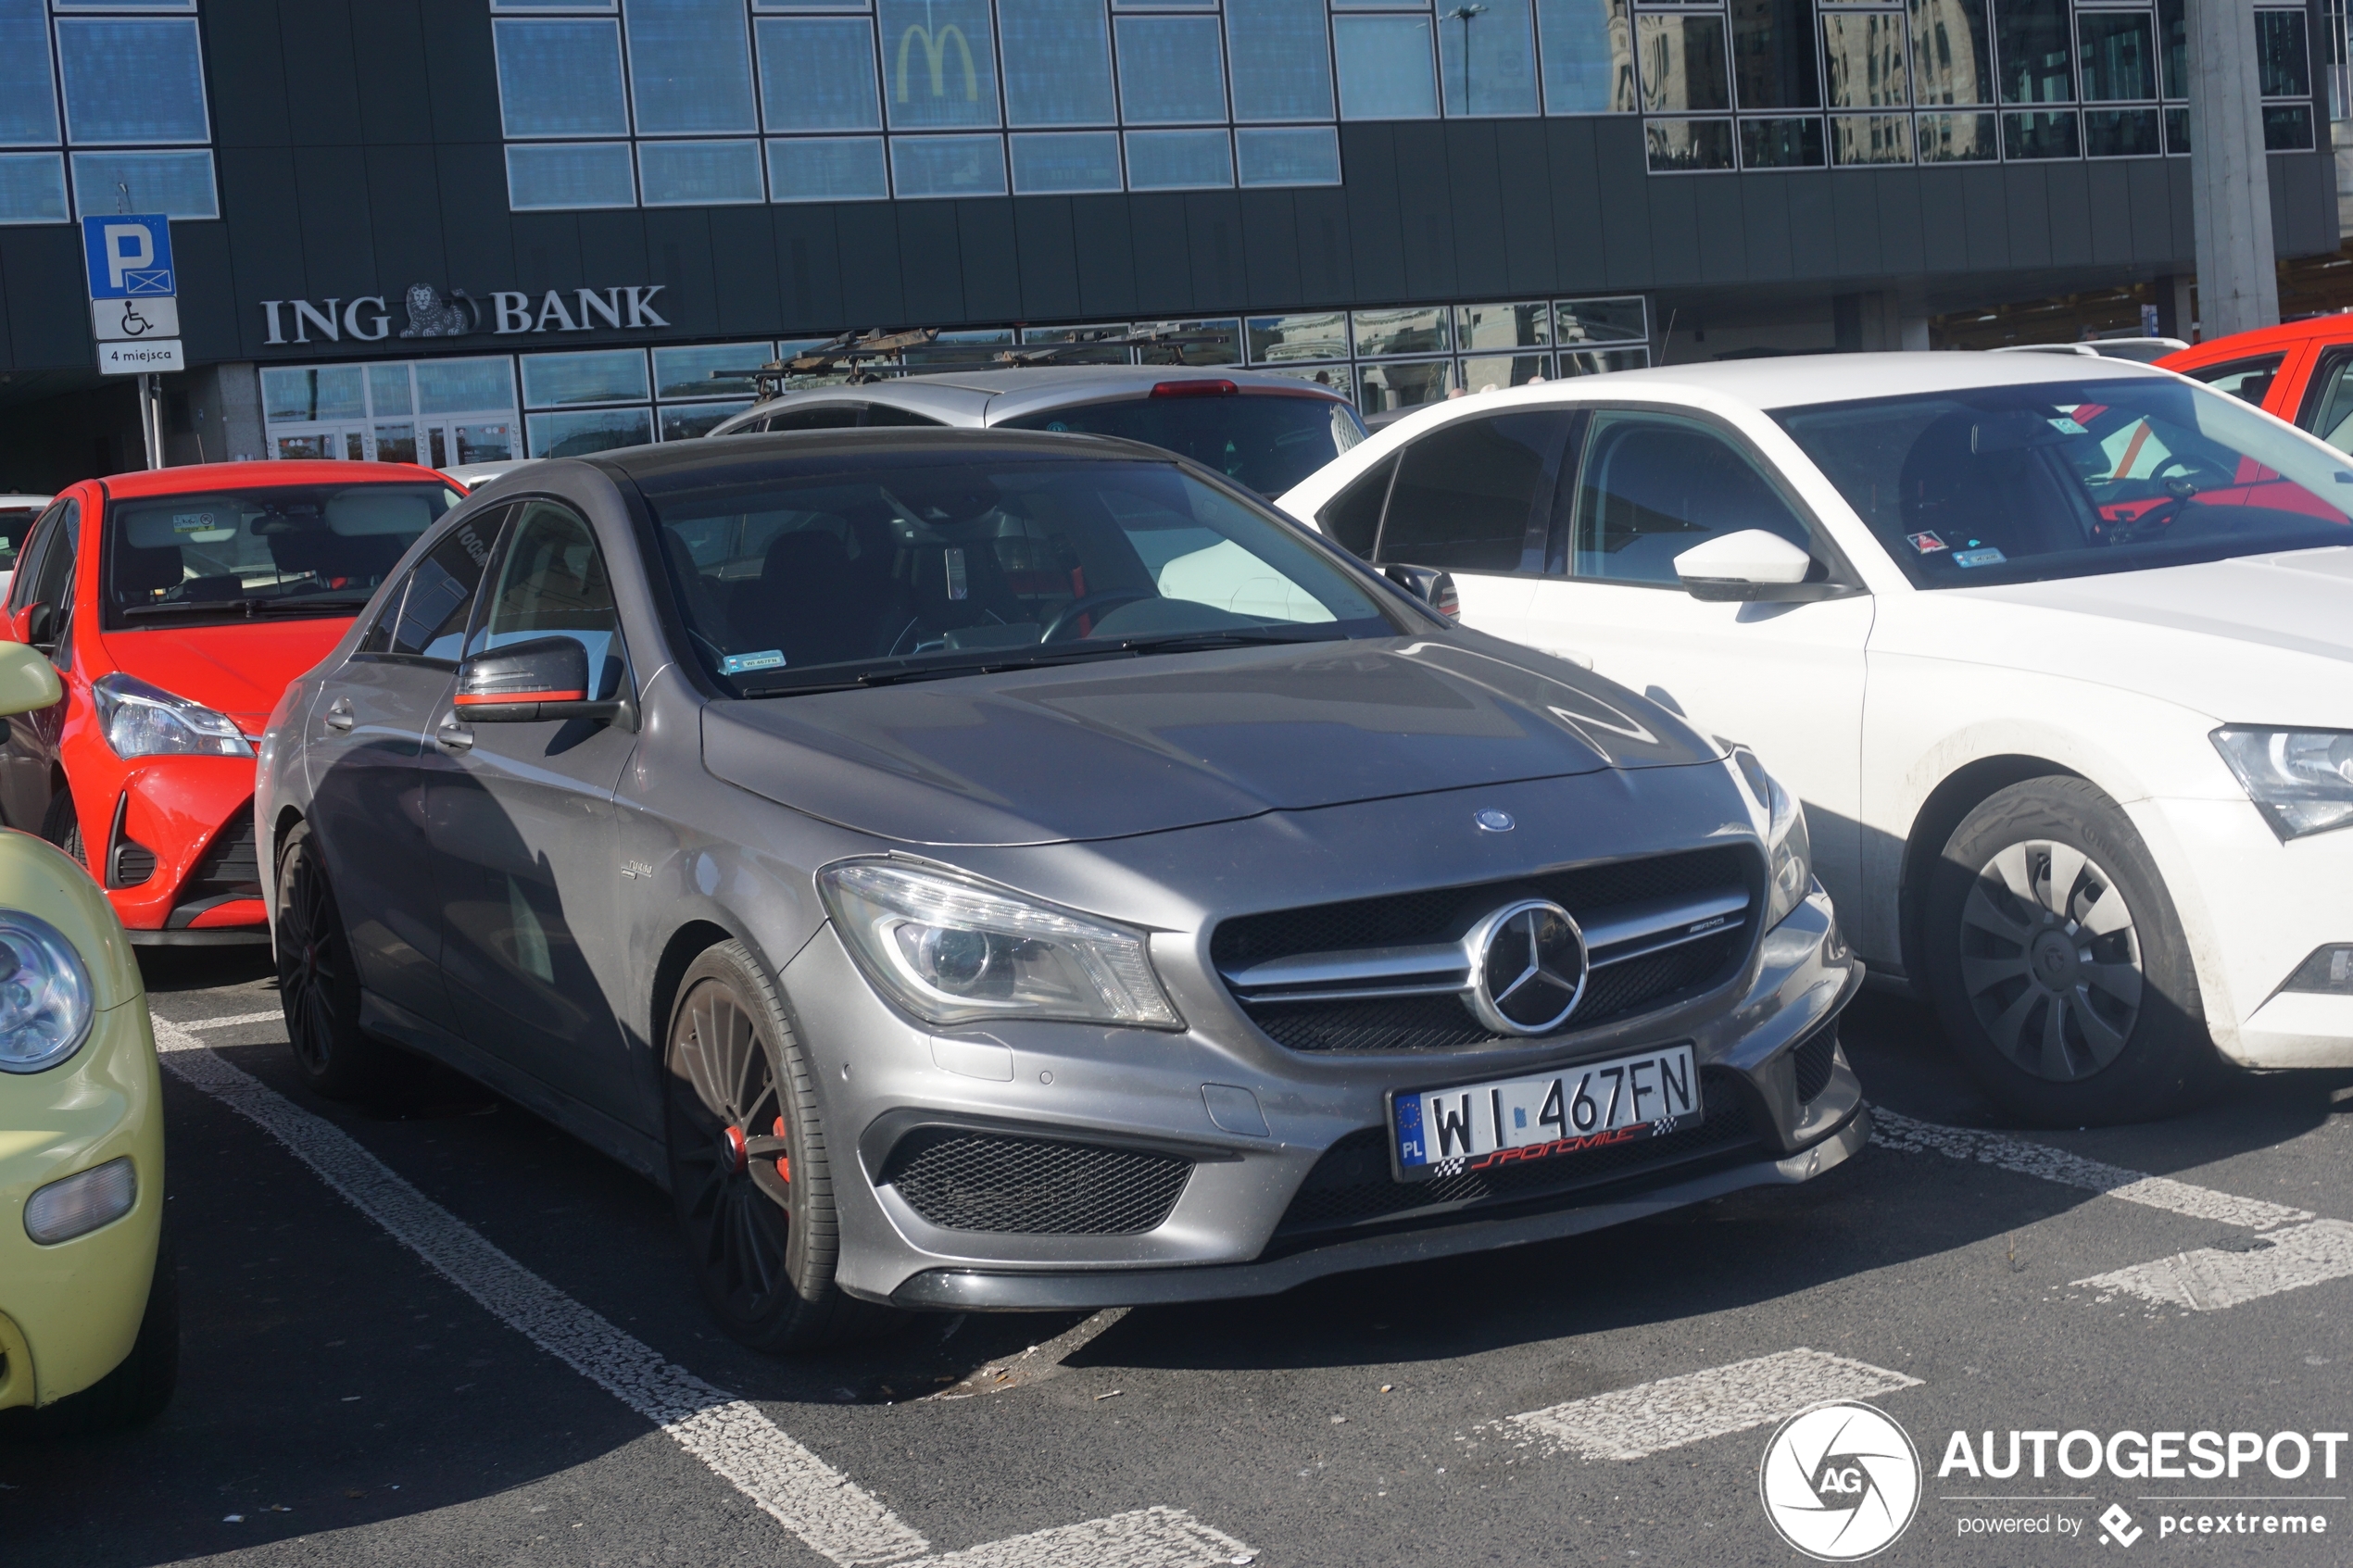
(1593, 1105)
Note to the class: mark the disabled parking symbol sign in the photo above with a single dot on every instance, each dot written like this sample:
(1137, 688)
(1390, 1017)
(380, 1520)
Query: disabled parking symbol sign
(129, 256)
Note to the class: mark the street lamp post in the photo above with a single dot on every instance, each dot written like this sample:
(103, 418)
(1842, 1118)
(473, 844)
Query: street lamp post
(1464, 15)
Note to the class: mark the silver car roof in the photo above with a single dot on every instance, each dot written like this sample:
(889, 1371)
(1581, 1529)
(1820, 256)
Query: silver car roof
(983, 396)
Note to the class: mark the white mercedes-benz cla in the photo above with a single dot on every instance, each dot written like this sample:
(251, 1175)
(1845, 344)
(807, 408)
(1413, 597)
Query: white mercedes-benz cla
(2056, 655)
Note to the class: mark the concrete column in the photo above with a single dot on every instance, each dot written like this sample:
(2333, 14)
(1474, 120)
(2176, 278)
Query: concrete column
(2230, 183)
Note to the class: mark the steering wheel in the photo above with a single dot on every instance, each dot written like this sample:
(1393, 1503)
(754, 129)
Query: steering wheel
(1089, 605)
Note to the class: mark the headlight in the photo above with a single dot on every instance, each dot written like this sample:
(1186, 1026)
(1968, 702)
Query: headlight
(2300, 780)
(1789, 851)
(144, 720)
(44, 995)
(954, 951)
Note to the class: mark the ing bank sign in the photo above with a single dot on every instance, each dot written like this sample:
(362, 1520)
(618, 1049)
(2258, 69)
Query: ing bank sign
(432, 312)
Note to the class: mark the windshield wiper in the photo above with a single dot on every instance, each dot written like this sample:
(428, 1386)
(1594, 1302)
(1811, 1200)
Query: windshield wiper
(247, 607)
(1075, 653)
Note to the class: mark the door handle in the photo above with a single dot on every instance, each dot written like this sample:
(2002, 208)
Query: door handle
(454, 736)
(339, 715)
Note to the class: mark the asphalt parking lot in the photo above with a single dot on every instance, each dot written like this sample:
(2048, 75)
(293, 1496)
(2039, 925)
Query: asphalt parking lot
(452, 1337)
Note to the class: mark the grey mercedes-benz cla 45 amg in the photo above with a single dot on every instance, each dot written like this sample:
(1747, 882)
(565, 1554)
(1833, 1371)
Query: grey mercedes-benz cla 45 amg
(980, 870)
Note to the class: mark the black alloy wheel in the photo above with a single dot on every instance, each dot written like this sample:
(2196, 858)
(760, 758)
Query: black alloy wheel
(749, 1170)
(2058, 965)
(319, 988)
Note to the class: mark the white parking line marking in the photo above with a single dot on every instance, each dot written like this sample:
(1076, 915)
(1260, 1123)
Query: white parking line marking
(828, 1511)
(2209, 1279)
(2072, 1170)
(275, 1015)
(1150, 1537)
(1653, 1417)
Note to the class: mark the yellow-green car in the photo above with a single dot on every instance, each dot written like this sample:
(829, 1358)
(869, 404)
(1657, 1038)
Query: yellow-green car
(89, 1319)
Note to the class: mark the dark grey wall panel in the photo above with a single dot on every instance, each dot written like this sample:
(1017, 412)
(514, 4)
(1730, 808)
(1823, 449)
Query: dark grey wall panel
(2028, 191)
(1764, 219)
(1048, 257)
(246, 75)
(1426, 208)
(210, 320)
(873, 293)
(809, 251)
(1581, 220)
(1944, 226)
(1106, 242)
(1327, 260)
(2148, 207)
(1722, 252)
(2069, 185)
(1625, 197)
(1524, 183)
(1475, 203)
(322, 74)
(1855, 216)
(1163, 259)
(42, 271)
(1212, 227)
(2108, 209)
(462, 69)
(1985, 200)
(1269, 236)
(669, 246)
(1674, 224)
(472, 176)
(743, 271)
(405, 228)
(931, 257)
(1813, 220)
(991, 261)
(1901, 247)
(1368, 159)
(395, 91)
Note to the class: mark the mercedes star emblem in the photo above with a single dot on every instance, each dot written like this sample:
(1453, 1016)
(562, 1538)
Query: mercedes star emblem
(1527, 968)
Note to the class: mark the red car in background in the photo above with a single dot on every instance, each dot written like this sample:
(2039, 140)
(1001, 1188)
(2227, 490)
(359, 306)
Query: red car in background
(2302, 372)
(178, 605)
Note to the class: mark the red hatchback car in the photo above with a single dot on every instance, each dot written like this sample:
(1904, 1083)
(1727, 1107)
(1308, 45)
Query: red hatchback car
(2302, 372)
(177, 605)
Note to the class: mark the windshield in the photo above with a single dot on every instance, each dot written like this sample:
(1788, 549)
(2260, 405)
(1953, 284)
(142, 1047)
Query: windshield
(2067, 478)
(1265, 441)
(922, 569)
(292, 550)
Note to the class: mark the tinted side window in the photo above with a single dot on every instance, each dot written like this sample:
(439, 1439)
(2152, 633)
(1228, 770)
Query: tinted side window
(824, 416)
(2328, 402)
(1466, 494)
(2248, 379)
(552, 583)
(1652, 486)
(884, 414)
(428, 615)
(1351, 518)
(43, 532)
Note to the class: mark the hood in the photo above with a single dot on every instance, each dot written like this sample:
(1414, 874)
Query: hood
(241, 669)
(2256, 639)
(1125, 747)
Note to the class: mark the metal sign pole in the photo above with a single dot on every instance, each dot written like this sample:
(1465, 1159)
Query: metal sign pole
(150, 426)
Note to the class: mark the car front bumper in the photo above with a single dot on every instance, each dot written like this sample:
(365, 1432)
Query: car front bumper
(2254, 910)
(195, 815)
(70, 1312)
(880, 1077)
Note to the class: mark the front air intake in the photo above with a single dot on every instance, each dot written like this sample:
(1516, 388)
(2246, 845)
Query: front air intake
(962, 1180)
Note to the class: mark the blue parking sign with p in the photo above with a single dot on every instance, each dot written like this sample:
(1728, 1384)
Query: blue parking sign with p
(129, 256)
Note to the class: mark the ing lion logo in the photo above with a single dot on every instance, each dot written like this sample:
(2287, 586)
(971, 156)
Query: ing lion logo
(432, 315)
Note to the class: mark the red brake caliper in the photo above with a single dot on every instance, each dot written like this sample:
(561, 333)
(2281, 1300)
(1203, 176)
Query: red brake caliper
(784, 1161)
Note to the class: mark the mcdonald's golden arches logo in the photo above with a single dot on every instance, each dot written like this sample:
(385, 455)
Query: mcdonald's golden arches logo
(936, 56)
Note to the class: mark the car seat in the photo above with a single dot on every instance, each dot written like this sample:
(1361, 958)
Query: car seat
(2015, 498)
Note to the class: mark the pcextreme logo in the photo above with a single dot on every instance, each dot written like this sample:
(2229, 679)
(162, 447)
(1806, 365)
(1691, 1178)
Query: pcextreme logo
(1840, 1482)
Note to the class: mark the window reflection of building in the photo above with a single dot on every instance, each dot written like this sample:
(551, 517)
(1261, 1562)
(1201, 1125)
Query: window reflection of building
(1951, 63)
(1683, 60)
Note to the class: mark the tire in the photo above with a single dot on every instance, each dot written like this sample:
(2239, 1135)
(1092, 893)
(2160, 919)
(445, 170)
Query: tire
(761, 1233)
(135, 1391)
(61, 825)
(318, 987)
(2058, 964)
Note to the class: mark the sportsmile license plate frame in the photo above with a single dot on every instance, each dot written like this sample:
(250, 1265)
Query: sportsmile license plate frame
(1550, 1115)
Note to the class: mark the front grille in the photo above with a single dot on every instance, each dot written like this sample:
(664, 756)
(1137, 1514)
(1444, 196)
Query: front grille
(231, 867)
(1613, 991)
(1813, 1063)
(1351, 1184)
(967, 1181)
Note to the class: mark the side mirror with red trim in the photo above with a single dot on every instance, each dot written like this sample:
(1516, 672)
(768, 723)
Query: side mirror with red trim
(521, 682)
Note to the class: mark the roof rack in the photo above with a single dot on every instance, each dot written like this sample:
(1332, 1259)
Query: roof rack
(856, 352)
